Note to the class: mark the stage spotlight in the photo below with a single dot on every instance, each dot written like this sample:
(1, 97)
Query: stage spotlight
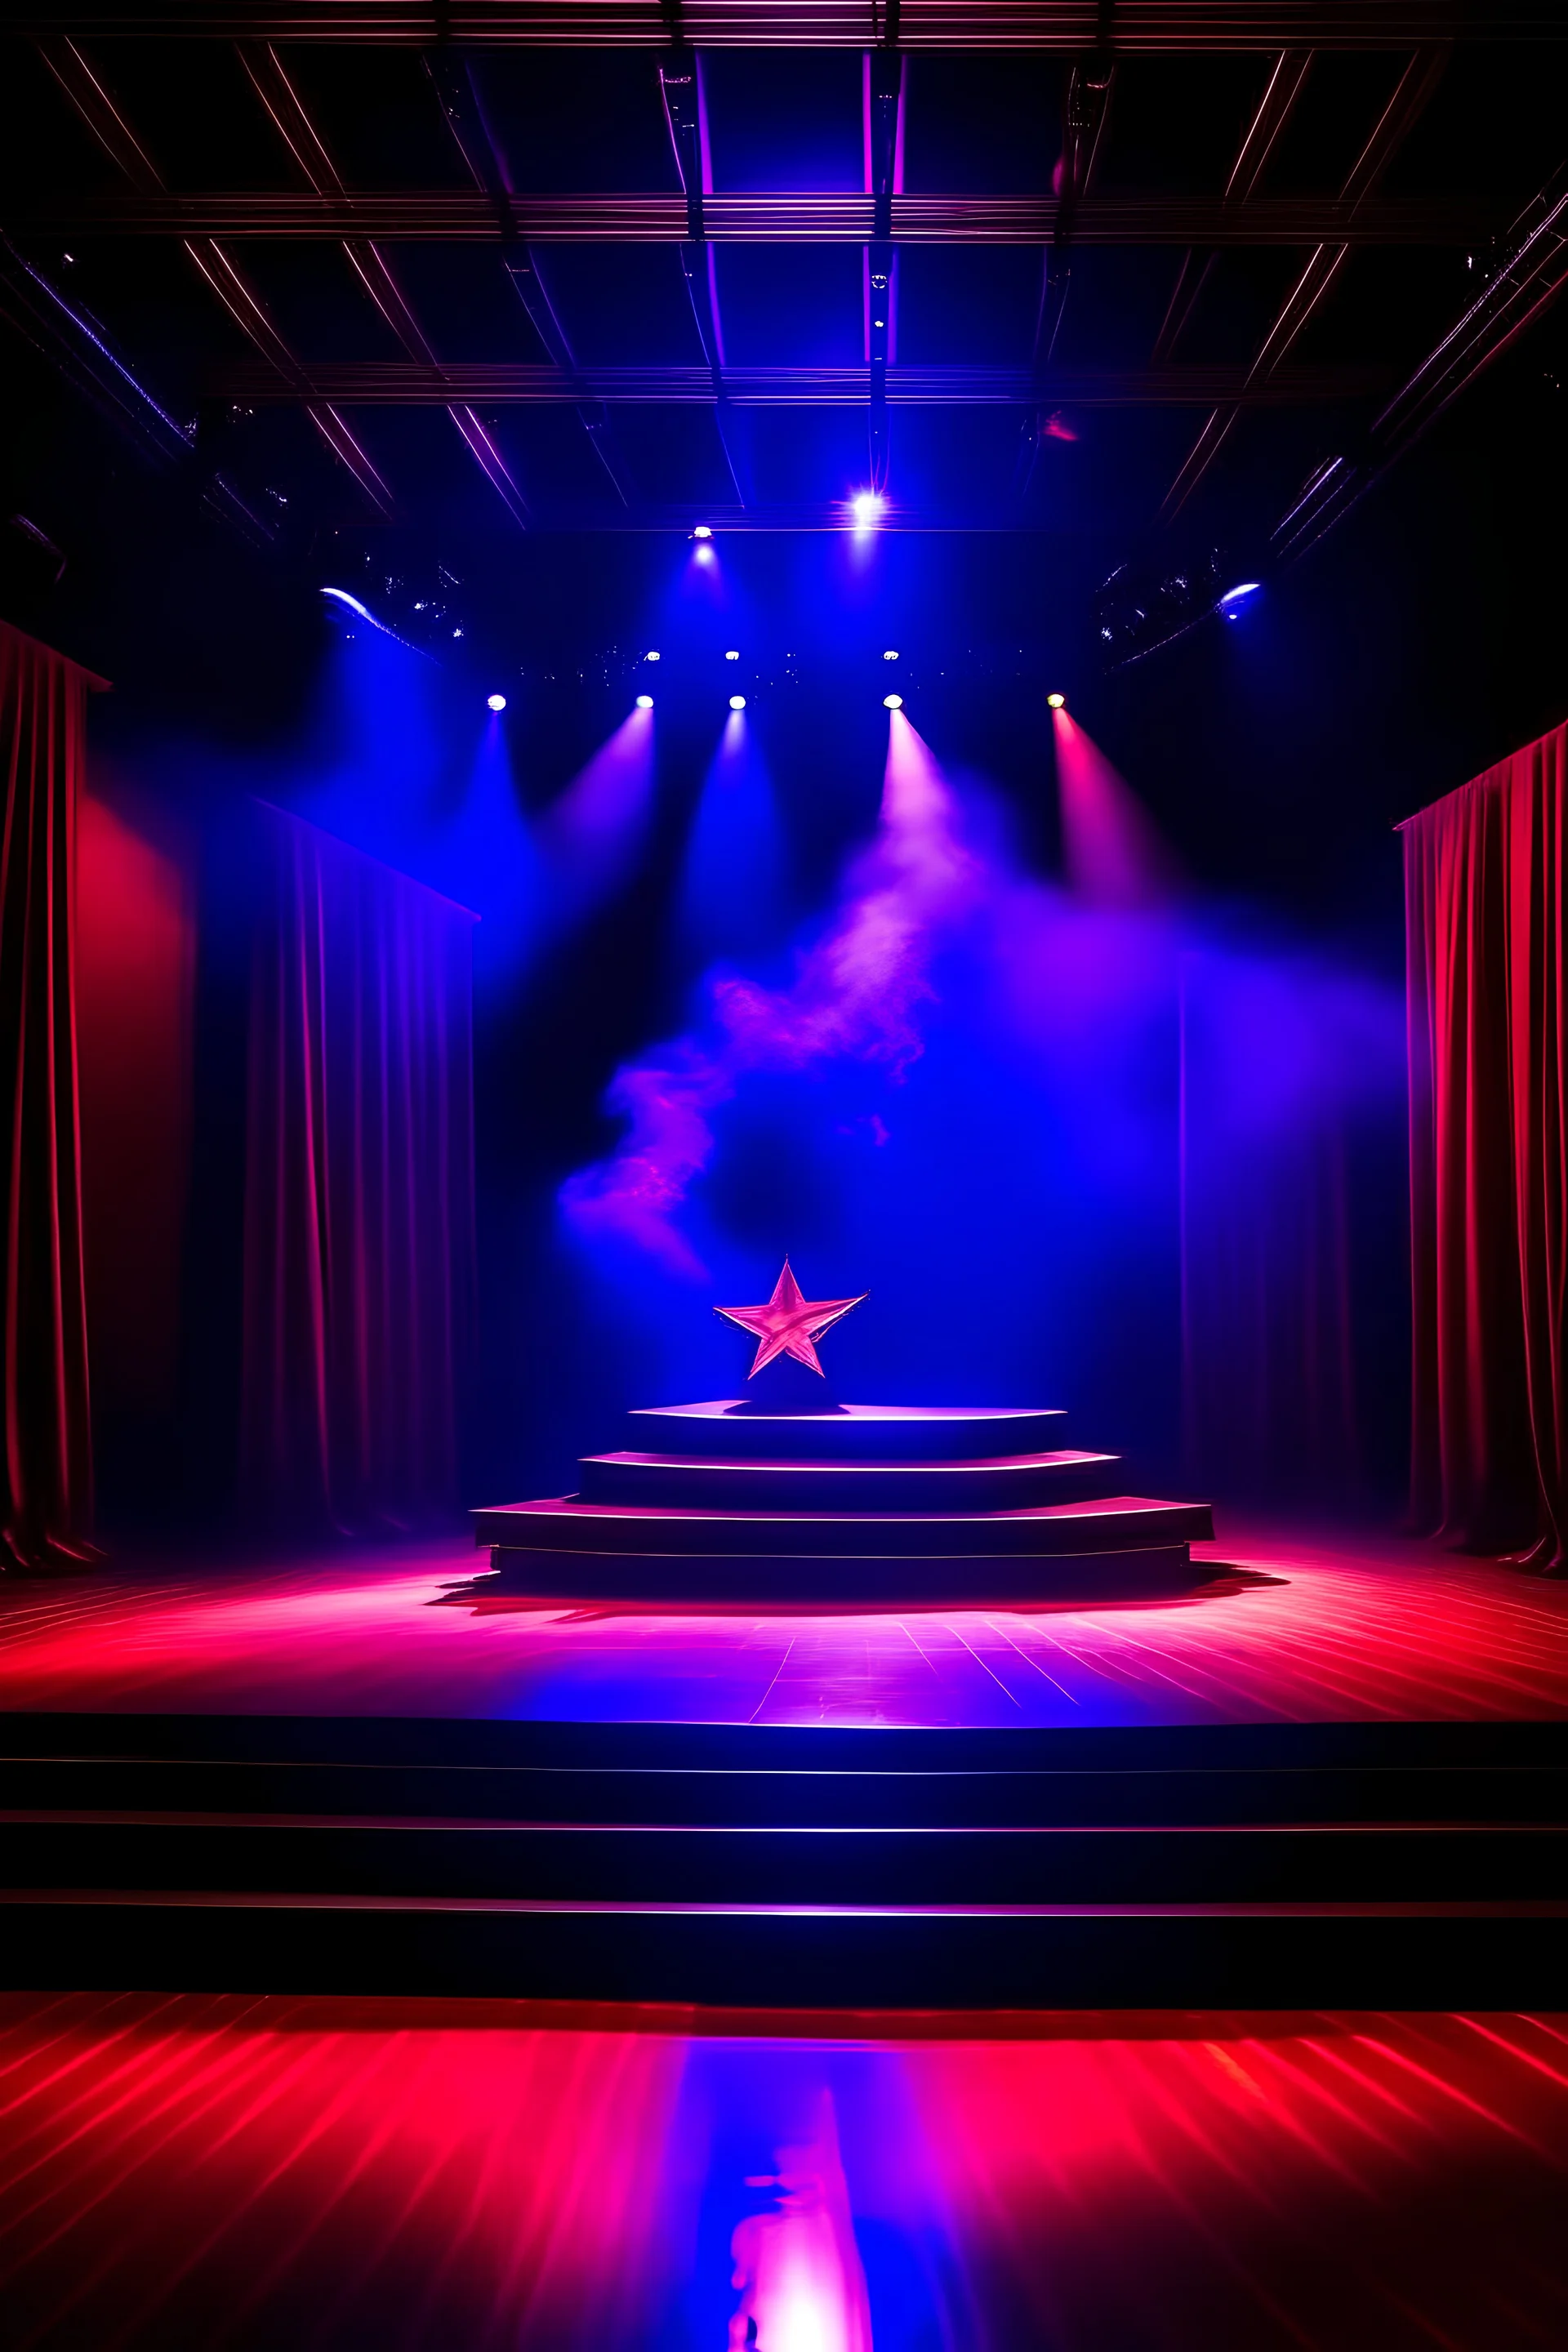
(703, 531)
(891, 656)
(1235, 600)
(496, 701)
(650, 656)
(1055, 701)
(731, 656)
(893, 702)
(737, 702)
(866, 507)
(644, 702)
(704, 554)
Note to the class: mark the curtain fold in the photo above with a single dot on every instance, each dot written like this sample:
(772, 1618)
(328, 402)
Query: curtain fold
(48, 1476)
(1488, 1170)
(358, 1192)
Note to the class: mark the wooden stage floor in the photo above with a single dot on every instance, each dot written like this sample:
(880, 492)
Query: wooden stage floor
(1279, 1626)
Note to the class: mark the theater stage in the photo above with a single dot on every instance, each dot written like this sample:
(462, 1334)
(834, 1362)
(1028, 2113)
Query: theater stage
(1330, 1772)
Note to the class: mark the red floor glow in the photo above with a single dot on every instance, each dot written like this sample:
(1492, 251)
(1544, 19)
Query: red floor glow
(1301, 1630)
(257, 2174)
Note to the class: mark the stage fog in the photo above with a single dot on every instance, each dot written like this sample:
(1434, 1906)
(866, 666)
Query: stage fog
(918, 995)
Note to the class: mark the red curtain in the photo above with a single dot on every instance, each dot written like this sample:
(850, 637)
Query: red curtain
(358, 1192)
(1488, 1173)
(47, 1479)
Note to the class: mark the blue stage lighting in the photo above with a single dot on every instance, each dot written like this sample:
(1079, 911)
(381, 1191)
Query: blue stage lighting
(737, 702)
(644, 702)
(1235, 600)
(891, 655)
(731, 656)
(703, 531)
(866, 507)
(496, 701)
(893, 702)
(650, 656)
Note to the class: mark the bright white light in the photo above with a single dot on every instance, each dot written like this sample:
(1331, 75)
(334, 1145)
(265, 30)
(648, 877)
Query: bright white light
(893, 702)
(737, 702)
(644, 702)
(866, 507)
(342, 596)
(650, 656)
(732, 657)
(704, 553)
(1055, 701)
(703, 531)
(890, 655)
(496, 701)
(1232, 602)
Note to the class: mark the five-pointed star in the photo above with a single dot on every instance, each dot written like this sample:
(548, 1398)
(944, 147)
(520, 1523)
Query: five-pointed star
(788, 1324)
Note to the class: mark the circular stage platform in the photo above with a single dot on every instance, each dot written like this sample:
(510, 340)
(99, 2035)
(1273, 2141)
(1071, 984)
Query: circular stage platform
(857, 1506)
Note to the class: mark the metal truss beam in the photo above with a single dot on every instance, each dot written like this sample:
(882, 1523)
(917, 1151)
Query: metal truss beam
(681, 87)
(1085, 109)
(394, 383)
(89, 94)
(1399, 118)
(1530, 277)
(1260, 141)
(288, 112)
(76, 348)
(1074, 25)
(452, 76)
(471, 217)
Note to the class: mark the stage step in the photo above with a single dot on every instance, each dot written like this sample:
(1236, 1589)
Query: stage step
(681, 1483)
(1328, 1865)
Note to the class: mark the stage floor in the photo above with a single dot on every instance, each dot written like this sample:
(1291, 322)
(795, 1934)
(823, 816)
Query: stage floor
(1286, 1627)
(204, 2170)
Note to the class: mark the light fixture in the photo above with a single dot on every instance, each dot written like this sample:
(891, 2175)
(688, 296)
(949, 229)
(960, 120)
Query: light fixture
(703, 531)
(496, 701)
(866, 506)
(1235, 600)
(890, 655)
(650, 656)
(893, 702)
(644, 702)
(1055, 701)
(737, 702)
(732, 657)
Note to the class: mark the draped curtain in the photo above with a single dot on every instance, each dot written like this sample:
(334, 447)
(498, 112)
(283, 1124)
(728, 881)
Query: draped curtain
(1488, 1173)
(48, 1477)
(358, 1192)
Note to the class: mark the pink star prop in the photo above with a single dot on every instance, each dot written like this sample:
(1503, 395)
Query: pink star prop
(788, 1324)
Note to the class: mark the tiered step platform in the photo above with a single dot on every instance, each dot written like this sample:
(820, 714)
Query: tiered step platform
(1315, 1866)
(859, 1505)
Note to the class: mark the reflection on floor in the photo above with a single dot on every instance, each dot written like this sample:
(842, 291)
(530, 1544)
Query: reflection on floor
(193, 2171)
(1277, 1625)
